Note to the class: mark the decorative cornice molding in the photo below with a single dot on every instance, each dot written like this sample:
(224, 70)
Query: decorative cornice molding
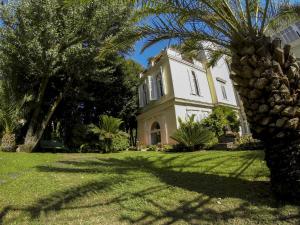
(186, 63)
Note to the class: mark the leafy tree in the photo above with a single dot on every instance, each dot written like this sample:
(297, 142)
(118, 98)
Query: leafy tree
(48, 46)
(129, 111)
(12, 112)
(221, 117)
(108, 129)
(265, 75)
(192, 134)
(117, 98)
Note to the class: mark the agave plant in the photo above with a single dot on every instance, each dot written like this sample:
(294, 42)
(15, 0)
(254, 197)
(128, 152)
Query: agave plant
(265, 74)
(192, 134)
(11, 115)
(108, 129)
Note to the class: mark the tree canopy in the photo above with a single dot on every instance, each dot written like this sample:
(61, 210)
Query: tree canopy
(48, 47)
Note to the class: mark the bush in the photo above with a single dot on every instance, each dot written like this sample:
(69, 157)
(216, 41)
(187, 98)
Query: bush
(166, 148)
(108, 130)
(152, 148)
(221, 117)
(247, 142)
(193, 135)
(120, 143)
(91, 148)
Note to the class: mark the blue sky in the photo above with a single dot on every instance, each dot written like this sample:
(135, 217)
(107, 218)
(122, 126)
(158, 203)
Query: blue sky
(142, 58)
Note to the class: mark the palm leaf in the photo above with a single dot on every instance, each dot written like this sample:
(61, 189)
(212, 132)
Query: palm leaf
(221, 22)
(191, 133)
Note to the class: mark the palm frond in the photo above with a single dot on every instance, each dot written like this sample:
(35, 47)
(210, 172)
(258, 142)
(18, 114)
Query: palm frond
(192, 133)
(287, 13)
(221, 22)
(12, 109)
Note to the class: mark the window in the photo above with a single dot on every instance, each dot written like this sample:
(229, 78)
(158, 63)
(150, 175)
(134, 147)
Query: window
(196, 84)
(145, 93)
(298, 26)
(160, 88)
(155, 134)
(289, 35)
(223, 88)
(199, 114)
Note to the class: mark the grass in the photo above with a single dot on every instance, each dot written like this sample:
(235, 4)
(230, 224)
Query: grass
(215, 187)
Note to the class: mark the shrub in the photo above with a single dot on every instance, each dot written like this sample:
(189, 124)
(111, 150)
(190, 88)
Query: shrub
(91, 148)
(120, 143)
(192, 134)
(152, 148)
(108, 130)
(166, 148)
(221, 117)
(247, 142)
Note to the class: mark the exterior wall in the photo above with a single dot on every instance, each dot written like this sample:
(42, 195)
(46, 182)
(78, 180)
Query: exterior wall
(179, 99)
(162, 67)
(220, 74)
(165, 116)
(183, 111)
(290, 35)
(181, 76)
(296, 50)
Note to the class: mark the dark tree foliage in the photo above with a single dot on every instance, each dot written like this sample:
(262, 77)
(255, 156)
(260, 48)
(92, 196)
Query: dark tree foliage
(51, 49)
(116, 95)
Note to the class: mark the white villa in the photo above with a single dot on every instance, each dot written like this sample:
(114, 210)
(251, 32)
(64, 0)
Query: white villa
(290, 35)
(175, 86)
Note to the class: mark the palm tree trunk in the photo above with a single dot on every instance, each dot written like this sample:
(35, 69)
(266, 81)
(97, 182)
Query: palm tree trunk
(283, 160)
(8, 142)
(267, 79)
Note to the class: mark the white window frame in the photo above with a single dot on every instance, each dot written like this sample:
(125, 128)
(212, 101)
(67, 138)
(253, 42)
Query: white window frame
(223, 90)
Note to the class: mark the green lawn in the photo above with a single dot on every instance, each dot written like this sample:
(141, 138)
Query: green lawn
(215, 187)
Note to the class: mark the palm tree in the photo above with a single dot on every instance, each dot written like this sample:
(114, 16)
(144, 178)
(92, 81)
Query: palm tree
(108, 129)
(11, 115)
(192, 134)
(265, 74)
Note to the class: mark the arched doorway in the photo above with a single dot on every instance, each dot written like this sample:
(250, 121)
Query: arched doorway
(155, 134)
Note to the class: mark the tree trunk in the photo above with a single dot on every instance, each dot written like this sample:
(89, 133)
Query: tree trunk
(283, 160)
(8, 142)
(32, 137)
(267, 79)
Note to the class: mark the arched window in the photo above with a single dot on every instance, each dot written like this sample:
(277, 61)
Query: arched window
(155, 134)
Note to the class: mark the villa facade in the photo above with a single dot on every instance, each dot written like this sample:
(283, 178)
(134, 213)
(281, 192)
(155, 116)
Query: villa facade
(290, 35)
(175, 86)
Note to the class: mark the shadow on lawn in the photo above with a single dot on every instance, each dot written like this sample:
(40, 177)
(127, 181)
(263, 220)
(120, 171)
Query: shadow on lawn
(210, 187)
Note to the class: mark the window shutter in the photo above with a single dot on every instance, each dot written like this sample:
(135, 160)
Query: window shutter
(162, 81)
(198, 85)
(141, 96)
(152, 88)
(193, 91)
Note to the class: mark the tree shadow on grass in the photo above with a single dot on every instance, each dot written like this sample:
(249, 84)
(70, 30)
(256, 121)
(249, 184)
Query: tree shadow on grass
(171, 174)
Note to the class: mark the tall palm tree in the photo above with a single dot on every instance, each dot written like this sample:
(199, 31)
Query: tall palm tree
(11, 115)
(265, 74)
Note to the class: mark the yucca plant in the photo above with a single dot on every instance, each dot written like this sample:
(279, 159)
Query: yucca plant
(11, 115)
(108, 129)
(192, 134)
(265, 74)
